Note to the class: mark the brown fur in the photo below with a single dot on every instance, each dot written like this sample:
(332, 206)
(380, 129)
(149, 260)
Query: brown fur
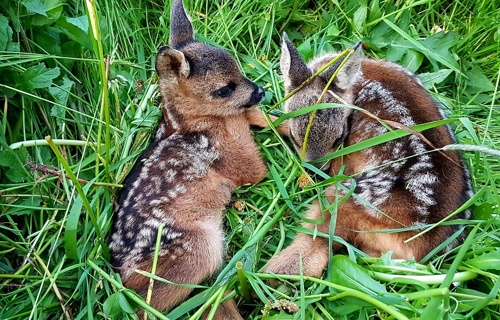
(419, 191)
(202, 151)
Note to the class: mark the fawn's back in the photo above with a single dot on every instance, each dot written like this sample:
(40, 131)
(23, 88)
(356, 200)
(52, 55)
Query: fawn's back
(402, 183)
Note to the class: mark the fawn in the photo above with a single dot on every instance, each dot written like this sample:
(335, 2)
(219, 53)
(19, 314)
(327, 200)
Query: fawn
(420, 189)
(202, 151)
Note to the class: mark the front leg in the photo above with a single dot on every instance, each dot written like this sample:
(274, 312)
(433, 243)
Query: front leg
(313, 253)
(256, 118)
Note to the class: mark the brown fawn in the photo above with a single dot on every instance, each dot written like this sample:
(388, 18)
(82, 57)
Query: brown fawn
(398, 184)
(202, 151)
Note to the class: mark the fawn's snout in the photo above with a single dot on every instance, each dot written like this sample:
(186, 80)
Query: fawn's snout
(256, 97)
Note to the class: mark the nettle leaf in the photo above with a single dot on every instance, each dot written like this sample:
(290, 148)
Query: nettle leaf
(431, 78)
(5, 33)
(477, 82)
(412, 60)
(359, 17)
(486, 261)
(81, 22)
(38, 76)
(349, 274)
(61, 93)
(14, 161)
(77, 29)
(35, 6)
(440, 44)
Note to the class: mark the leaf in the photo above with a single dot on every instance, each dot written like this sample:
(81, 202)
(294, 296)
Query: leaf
(477, 81)
(77, 30)
(483, 211)
(53, 10)
(112, 306)
(80, 22)
(61, 93)
(70, 240)
(5, 33)
(359, 17)
(125, 305)
(412, 60)
(486, 261)
(35, 6)
(38, 76)
(15, 162)
(431, 78)
(349, 274)
(440, 44)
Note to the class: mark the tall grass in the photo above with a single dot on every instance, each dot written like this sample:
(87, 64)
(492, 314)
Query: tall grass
(82, 73)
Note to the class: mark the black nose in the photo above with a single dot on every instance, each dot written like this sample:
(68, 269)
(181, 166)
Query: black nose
(259, 92)
(256, 97)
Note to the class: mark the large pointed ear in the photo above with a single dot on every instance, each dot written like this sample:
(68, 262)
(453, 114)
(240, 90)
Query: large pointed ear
(350, 72)
(293, 68)
(171, 63)
(181, 29)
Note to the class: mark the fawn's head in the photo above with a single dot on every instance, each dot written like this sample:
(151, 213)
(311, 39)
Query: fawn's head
(197, 79)
(330, 126)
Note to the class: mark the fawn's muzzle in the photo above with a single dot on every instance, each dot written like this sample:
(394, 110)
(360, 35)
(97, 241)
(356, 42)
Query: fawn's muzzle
(255, 98)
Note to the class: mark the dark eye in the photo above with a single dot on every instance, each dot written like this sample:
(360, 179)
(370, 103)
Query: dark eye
(224, 92)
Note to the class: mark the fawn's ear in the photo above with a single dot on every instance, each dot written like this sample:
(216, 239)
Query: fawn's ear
(293, 68)
(171, 63)
(349, 72)
(181, 29)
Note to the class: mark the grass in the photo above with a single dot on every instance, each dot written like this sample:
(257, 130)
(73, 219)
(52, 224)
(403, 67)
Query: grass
(55, 215)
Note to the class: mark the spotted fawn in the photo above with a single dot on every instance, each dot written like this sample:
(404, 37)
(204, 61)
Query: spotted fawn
(203, 150)
(398, 184)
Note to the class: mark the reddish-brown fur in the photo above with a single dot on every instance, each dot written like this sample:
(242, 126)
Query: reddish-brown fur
(202, 151)
(391, 93)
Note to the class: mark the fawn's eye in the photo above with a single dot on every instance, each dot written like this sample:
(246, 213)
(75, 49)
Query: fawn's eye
(224, 92)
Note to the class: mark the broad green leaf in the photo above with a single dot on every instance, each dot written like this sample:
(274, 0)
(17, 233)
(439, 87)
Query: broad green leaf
(486, 261)
(14, 161)
(61, 93)
(431, 52)
(359, 17)
(349, 274)
(35, 6)
(38, 76)
(112, 306)
(477, 81)
(483, 211)
(124, 304)
(412, 60)
(5, 33)
(53, 10)
(439, 44)
(76, 30)
(81, 22)
(431, 78)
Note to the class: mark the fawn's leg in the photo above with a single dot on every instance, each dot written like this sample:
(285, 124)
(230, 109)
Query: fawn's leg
(226, 311)
(256, 118)
(313, 252)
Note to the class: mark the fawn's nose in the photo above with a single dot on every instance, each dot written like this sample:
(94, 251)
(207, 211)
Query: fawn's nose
(256, 97)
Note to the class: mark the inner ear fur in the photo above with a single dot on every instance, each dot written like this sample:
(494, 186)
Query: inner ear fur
(349, 72)
(293, 68)
(170, 62)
